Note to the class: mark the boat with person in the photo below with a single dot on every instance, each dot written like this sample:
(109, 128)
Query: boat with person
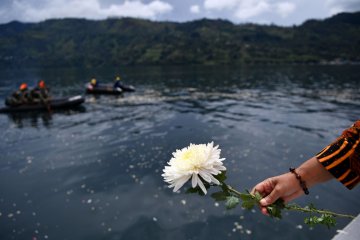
(118, 87)
(51, 104)
(103, 89)
(108, 89)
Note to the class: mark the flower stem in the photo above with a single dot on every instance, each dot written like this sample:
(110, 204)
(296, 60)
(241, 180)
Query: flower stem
(312, 210)
(231, 189)
(291, 207)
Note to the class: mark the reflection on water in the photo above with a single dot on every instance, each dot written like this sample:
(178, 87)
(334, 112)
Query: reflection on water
(32, 119)
(36, 118)
(95, 173)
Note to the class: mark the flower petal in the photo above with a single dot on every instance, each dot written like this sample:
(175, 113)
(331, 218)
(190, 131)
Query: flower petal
(205, 176)
(180, 182)
(214, 180)
(194, 180)
(200, 162)
(201, 185)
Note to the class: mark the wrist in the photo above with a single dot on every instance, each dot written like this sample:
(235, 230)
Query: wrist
(312, 172)
(306, 175)
(302, 183)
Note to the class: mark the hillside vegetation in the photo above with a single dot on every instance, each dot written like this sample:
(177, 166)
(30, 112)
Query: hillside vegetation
(128, 41)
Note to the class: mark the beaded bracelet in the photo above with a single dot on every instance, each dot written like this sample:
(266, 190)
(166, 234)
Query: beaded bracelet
(302, 183)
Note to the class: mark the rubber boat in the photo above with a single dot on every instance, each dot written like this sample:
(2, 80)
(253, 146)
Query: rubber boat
(108, 89)
(56, 103)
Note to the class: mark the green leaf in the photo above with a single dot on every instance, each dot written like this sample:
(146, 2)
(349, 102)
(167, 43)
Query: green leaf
(221, 177)
(329, 220)
(249, 200)
(231, 202)
(325, 219)
(197, 190)
(274, 209)
(279, 203)
(246, 197)
(257, 196)
(248, 204)
(220, 196)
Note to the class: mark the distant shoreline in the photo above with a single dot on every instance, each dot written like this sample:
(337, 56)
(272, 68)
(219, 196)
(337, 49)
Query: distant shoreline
(129, 41)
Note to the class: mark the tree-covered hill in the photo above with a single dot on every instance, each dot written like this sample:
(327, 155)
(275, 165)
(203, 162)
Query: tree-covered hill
(79, 42)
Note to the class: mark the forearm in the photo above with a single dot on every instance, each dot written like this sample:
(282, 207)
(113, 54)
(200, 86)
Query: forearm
(312, 172)
(340, 160)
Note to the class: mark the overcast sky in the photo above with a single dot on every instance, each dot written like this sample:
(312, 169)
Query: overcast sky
(279, 12)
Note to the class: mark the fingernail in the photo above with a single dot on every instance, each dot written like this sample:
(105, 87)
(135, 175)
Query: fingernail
(263, 202)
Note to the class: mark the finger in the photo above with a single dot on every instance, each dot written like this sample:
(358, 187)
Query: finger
(272, 197)
(264, 211)
(257, 188)
(292, 196)
(263, 187)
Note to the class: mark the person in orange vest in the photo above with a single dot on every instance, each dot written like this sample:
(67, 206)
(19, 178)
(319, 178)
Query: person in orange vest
(40, 93)
(19, 97)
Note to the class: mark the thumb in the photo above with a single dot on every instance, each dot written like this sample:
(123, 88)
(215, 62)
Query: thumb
(269, 199)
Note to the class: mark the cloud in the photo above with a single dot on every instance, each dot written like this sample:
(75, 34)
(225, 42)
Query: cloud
(251, 8)
(91, 9)
(220, 4)
(283, 12)
(195, 9)
(245, 9)
(285, 8)
(337, 6)
(138, 9)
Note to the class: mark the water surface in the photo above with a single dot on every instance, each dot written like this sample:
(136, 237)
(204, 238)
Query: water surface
(95, 172)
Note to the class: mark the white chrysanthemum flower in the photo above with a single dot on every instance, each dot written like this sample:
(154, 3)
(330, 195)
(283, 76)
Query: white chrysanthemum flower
(197, 161)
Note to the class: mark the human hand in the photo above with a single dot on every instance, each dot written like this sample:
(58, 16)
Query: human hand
(284, 186)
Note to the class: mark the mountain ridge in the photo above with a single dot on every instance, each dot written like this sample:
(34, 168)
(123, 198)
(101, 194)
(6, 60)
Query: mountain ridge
(130, 41)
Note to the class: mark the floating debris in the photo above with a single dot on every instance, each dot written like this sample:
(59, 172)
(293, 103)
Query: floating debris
(299, 227)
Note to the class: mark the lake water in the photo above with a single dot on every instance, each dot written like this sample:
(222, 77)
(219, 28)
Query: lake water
(95, 172)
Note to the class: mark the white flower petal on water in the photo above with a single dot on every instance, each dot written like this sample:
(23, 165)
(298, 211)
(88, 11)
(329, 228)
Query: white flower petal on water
(200, 162)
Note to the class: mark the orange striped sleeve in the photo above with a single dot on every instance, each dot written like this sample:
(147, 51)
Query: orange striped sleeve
(341, 158)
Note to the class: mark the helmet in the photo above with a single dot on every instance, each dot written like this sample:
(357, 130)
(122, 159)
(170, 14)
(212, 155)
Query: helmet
(117, 78)
(93, 81)
(23, 86)
(41, 84)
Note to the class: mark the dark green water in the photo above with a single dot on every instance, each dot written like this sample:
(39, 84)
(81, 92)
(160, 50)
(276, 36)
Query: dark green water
(95, 172)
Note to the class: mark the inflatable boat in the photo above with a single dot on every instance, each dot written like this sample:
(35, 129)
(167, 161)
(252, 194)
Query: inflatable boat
(55, 103)
(108, 89)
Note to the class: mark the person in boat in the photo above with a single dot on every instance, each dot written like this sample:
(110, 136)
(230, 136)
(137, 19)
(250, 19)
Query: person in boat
(40, 93)
(21, 96)
(117, 84)
(93, 83)
(339, 160)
